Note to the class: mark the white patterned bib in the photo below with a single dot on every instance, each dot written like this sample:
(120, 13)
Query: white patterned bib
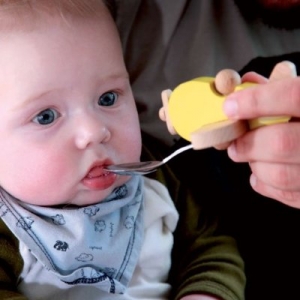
(97, 245)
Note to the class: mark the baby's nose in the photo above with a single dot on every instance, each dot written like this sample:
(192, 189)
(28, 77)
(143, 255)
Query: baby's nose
(91, 130)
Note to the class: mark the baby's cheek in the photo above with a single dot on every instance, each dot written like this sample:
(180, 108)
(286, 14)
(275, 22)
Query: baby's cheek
(132, 145)
(40, 182)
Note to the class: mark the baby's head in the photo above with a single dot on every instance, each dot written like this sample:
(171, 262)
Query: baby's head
(66, 106)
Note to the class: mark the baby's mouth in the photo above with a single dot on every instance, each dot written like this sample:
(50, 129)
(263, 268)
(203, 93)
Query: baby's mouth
(96, 171)
(97, 178)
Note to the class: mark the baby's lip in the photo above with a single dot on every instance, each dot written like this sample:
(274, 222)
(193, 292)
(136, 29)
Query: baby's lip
(97, 169)
(97, 178)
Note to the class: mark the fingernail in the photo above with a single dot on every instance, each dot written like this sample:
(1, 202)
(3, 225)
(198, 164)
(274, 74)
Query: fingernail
(230, 107)
(253, 180)
(232, 151)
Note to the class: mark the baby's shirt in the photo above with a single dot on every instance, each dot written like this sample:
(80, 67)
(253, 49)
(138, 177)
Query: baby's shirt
(121, 245)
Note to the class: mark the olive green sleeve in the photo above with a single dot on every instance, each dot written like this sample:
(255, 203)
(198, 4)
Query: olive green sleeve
(204, 259)
(11, 265)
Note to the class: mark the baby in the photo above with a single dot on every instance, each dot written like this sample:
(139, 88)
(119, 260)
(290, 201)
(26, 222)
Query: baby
(70, 229)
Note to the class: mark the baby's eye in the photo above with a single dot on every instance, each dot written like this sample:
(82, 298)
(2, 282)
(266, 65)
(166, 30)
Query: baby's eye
(46, 116)
(108, 99)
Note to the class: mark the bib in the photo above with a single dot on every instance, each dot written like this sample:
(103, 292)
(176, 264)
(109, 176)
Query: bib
(95, 245)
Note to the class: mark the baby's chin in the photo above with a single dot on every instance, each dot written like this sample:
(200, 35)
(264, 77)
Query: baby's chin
(88, 197)
(83, 198)
(78, 198)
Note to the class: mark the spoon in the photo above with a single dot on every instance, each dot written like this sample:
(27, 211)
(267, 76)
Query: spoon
(143, 167)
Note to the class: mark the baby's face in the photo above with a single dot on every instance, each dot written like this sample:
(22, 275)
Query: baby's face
(66, 111)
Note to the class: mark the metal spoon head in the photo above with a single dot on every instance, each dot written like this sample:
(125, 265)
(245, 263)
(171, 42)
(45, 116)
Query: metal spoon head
(134, 168)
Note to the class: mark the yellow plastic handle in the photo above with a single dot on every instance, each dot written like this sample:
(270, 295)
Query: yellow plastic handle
(196, 103)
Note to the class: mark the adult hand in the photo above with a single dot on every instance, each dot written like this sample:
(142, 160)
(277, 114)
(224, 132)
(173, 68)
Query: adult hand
(273, 152)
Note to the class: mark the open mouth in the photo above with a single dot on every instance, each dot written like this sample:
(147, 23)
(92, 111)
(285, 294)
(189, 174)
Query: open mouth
(97, 178)
(97, 171)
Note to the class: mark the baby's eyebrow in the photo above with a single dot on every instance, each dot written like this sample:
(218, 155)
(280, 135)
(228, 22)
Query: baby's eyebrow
(31, 100)
(120, 75)
(117, 76)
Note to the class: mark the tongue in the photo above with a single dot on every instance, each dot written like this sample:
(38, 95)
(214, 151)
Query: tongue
(95, 172)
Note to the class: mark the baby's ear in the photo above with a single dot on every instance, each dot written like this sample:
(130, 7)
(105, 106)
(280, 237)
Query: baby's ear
(164, 111)
(226, 81)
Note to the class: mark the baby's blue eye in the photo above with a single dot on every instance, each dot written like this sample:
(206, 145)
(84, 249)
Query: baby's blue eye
(108, 99)
(46, 117)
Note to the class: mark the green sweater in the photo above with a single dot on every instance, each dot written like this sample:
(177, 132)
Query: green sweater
(203, 261)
